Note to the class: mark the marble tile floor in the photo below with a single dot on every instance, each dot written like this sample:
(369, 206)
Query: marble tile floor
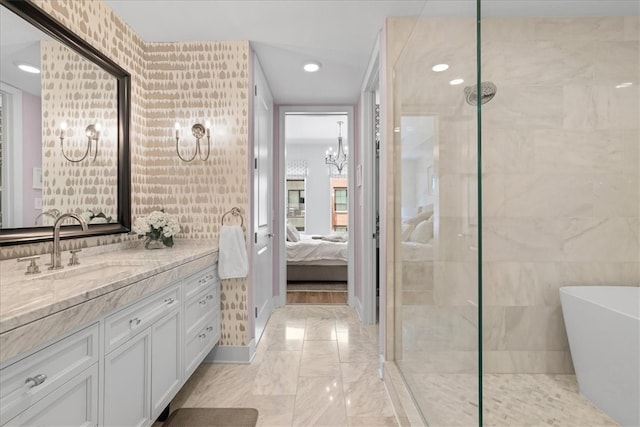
(510, 400)
(314, 366)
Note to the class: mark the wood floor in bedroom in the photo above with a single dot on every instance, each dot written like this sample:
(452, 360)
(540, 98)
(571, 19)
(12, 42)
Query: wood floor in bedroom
(316, 293)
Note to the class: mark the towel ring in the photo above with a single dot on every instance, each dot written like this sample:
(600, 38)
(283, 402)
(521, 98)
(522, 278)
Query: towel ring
(235, 212)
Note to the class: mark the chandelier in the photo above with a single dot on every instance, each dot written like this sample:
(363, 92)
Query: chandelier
(337, 158)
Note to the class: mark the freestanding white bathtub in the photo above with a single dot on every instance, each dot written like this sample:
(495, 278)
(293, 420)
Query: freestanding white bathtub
(603, 326)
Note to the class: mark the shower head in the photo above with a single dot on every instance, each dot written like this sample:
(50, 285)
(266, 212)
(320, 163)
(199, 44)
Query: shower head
(487, 92)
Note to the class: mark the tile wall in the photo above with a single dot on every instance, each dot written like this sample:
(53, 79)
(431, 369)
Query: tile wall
(560, 182)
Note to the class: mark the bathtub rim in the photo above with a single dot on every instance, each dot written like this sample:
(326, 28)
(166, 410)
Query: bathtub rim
(570, 291)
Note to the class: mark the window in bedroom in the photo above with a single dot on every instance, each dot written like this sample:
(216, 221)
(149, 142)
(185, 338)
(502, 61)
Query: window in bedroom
(340, 199)
(339, 205)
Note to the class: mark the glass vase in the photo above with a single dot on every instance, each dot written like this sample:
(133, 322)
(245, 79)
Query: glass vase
(150, 243)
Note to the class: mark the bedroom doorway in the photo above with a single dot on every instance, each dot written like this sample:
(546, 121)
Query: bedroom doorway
(316, 205)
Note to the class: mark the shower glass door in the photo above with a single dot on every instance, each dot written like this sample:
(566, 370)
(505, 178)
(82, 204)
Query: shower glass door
(435, 159)
(550, 93)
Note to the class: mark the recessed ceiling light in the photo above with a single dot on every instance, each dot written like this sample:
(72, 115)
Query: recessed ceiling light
(440, 67)
(29, 68)
(311, 67)
(455, 82)
(625, 84)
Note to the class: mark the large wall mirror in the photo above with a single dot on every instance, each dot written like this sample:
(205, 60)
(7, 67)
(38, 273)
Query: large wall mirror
(64, 130)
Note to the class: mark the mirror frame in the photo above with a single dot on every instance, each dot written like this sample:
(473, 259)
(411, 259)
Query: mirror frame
(26, 235)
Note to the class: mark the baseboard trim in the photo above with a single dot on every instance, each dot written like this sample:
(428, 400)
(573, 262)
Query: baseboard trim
(232, 353)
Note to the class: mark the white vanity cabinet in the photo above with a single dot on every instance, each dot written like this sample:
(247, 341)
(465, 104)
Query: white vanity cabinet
(143, 368)
(166, 361)
(126, 365)
(73, 404)
(202, 317)
(57, 385)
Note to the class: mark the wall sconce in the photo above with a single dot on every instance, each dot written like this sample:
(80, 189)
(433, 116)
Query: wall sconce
(198, 131)
(93, 134)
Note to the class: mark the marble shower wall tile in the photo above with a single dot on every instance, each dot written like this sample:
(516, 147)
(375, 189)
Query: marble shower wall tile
(632, 28)
(561, 190)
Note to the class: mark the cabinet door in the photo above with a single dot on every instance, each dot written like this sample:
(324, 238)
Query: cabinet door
(127, 382)
(166, 363)
(73, 404)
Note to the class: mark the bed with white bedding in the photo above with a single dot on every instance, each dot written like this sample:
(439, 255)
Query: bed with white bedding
(316, 258)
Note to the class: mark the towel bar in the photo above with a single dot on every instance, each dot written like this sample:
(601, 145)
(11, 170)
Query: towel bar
(235, 212)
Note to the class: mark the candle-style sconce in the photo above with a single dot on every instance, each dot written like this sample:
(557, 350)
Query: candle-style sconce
(199, 132)
(93, 135)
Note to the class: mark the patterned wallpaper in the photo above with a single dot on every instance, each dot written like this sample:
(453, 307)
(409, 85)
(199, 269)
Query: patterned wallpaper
(78, 93)
(195, 83)
(185, 82)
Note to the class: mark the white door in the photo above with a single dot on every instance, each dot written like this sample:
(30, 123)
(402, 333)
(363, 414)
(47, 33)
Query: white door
(263, 247)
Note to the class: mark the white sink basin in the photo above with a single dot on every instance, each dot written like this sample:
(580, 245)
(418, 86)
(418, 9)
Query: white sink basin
(90, 271)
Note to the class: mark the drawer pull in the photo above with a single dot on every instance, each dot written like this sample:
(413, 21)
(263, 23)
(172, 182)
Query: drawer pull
(209, 296)
(202, 281)
(209, 328)
(202, 301)
(35, 380)
(202, 336)
(169, 301)
(134, 322)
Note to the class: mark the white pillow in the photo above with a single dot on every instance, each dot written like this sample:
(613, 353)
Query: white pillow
(423, 232)
(422, 216)
(407, 229)
(293, 235)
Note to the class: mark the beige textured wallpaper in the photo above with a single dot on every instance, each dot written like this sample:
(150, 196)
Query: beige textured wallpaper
(185, 82)
(78, 93)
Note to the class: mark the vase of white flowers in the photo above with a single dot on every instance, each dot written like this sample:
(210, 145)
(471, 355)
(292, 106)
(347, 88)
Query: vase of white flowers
(158, 227)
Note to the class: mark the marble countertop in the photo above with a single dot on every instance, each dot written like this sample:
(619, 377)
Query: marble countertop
(27, 298)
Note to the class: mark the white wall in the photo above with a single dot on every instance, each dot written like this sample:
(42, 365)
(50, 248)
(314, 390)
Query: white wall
(317, 192)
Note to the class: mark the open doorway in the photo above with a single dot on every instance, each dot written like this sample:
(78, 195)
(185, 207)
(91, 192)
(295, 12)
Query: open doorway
(316, 182)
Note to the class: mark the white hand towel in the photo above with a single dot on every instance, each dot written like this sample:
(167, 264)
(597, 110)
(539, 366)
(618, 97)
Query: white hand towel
(232, 253)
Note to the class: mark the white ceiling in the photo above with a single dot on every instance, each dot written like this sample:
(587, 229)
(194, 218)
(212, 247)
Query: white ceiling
(320, 128)
(340, 34)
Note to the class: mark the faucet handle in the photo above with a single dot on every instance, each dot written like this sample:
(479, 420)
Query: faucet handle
(33, 267)
(74, 258)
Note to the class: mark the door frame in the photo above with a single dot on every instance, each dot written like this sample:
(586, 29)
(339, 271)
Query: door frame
(259, 316)
(279, 243)
(12, 169)
(371, 82)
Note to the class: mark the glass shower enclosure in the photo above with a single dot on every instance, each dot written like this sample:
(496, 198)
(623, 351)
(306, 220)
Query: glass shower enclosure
(515, 171)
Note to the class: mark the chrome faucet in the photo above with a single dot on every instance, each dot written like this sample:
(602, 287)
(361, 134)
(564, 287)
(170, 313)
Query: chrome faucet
(56, 262)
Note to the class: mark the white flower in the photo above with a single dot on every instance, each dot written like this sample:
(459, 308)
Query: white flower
(157, 225)
(141, 226)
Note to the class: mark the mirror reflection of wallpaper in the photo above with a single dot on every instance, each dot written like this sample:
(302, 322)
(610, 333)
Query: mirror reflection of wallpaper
(79, 93)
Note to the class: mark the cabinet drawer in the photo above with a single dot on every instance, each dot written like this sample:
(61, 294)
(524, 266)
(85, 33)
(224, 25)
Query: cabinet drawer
(199, 306)
(75, 404)
(30, 379)
(124, 324)
(199, 281)
(199, 344)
